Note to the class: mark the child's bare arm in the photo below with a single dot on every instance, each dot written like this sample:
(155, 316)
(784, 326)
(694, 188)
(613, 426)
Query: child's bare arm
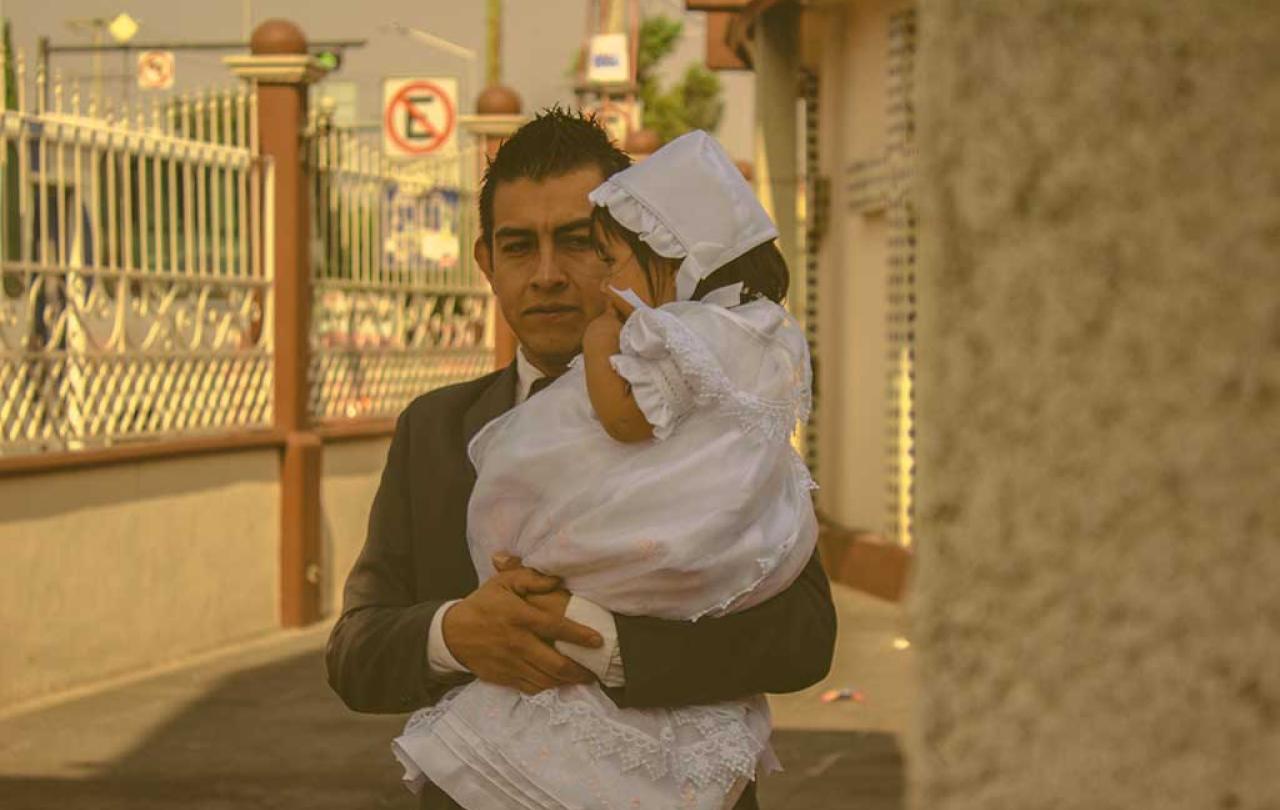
(610, 393)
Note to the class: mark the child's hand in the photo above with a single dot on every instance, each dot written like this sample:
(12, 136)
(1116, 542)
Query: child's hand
(601, 334)
(619, 306)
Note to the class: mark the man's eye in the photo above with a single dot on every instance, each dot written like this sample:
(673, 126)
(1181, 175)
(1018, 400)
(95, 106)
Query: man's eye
(516, 248)
(577, 242)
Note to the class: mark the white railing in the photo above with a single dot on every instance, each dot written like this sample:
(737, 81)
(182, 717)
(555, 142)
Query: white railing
(398, 307)
(137, 295)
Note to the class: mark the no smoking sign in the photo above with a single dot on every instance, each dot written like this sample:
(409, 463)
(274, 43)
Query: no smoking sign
(419, 116)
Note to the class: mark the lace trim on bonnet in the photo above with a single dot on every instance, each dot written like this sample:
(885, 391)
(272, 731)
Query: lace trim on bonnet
(638, 218)
(690, 201)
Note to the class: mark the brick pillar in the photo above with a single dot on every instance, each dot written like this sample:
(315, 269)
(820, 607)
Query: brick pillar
(281, 71)
(497, 116)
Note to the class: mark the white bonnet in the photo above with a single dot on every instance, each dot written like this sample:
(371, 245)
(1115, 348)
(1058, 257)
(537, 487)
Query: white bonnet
(688, 200)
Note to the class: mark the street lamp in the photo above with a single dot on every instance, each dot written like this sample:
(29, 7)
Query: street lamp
(122, 28)
(442, 44)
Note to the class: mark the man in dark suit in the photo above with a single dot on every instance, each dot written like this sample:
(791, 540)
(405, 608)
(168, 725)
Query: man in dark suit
(415, 622)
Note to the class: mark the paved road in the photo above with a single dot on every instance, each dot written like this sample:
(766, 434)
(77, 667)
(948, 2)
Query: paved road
(258, 729)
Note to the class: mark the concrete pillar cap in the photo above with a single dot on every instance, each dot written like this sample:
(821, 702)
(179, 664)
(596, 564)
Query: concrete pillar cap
(498, 99)
(277, 36)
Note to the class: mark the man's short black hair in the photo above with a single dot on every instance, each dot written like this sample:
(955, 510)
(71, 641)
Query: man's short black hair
(555, 142)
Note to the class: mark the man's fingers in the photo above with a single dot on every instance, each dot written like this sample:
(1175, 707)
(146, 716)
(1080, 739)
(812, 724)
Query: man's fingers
(505, 562)
(527, 580)
(526, 671)
(555, 666)
(529, 687)
(553, 628)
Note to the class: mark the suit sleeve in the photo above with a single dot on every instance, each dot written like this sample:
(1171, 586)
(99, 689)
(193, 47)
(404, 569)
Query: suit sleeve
(377, 653)
(782, 645)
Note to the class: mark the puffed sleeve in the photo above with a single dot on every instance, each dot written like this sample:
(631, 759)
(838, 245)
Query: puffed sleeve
(750, 363)
(645, 361)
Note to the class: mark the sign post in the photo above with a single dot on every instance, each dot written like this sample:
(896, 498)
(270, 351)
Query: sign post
(619, 118)
(419, 117)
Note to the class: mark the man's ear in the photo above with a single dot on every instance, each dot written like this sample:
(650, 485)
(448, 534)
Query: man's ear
(484, 258)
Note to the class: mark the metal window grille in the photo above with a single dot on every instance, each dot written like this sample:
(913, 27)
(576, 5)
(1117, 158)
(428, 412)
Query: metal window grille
(815, 217)
(901, 309)
(399, 309)
(137, 296)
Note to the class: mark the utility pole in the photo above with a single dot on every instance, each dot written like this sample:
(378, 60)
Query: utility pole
(122, 29)
(493, 57)
(441, 44)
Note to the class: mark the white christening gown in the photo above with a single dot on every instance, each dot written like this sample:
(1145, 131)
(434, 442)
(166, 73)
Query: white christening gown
(712, 516)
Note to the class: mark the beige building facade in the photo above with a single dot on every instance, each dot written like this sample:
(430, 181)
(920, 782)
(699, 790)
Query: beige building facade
(834, 152)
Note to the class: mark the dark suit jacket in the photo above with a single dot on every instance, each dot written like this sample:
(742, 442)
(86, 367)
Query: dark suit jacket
(416, 557)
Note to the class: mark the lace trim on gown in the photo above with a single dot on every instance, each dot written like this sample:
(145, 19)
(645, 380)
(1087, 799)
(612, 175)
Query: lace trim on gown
(726, 753)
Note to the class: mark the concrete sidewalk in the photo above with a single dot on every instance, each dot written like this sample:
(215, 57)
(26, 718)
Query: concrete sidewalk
(258, 728)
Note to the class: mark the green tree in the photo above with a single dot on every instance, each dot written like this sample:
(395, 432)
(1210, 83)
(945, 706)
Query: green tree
(10, 101)
(694, 102)
(658, 38)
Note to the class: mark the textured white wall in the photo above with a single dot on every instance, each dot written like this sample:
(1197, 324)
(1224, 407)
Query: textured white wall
(1096, 606)
(114, 569)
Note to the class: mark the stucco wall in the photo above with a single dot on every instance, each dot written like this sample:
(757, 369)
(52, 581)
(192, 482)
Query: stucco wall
(113, 569)
(350, 479)
(1095, 607)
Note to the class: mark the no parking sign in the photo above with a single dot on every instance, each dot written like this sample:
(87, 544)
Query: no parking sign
(419, 116)
(156, 70)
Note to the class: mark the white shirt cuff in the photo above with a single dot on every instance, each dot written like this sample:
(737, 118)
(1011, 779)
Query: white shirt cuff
(439, 658)
(606, 660)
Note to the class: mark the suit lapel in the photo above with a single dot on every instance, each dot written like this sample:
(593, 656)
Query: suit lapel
(496, 400)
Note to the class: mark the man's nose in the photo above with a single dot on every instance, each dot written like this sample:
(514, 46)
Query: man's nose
(548, 273)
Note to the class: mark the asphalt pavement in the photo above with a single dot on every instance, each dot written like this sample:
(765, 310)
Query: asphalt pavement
(257, 727)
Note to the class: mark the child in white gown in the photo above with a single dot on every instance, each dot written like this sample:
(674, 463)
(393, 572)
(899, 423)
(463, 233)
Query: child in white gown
(656, 478)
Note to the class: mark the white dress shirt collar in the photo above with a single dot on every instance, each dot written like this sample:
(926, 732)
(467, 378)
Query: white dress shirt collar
(526, 375)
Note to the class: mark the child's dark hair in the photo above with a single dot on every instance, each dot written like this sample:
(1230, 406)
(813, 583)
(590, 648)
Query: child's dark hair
(762, 270)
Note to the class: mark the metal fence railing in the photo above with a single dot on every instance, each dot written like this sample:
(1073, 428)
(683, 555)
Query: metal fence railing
(398, 307)
(137, 294)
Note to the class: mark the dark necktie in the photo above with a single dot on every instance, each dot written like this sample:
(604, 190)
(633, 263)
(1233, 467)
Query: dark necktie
(539, 384)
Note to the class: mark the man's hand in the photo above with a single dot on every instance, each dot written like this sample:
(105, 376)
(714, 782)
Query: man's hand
(553, 602)
(503, 639)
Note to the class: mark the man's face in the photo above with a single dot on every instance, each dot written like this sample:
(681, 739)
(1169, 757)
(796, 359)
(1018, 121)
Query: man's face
(542, 265)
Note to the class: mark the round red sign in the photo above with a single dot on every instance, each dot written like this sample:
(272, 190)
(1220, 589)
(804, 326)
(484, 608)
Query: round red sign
(419, 118)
